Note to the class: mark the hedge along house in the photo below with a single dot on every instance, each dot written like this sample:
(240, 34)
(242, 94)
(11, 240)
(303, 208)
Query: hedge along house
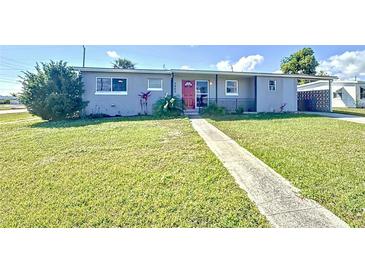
(115, 91)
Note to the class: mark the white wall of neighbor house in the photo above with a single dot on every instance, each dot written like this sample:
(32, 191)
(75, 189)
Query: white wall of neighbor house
(271, 101)
(126, 104)
(318, 85)
(347, 92)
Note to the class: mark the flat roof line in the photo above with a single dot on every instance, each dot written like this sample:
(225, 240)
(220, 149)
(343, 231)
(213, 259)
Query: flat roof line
(209, 72)
(334, 82)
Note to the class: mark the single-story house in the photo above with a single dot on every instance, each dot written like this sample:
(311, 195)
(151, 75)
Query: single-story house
(11, 99)
(115, 91)
(344, 93)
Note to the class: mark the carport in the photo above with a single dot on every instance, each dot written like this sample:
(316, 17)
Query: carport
(316, 100)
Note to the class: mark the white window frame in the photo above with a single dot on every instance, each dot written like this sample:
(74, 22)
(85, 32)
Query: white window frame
(268, 86)
(231, 94)
(196, 91)
(337, 95)
(111, 92)
(154, 89)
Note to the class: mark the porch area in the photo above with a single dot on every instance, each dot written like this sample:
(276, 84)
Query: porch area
(233, 93)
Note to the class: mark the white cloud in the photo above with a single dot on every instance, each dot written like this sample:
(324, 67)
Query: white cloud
(185, 67)
(112, 54)
(278, 71)
(245, 63)
(346, 66)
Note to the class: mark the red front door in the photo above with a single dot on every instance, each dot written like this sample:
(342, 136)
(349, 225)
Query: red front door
(188, 93)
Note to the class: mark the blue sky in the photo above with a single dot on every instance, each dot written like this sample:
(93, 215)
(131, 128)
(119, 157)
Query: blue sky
(344, 61)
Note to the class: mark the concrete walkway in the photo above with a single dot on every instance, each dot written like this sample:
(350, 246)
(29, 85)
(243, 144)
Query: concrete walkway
(274, 196)
(9, 111)
(339, 116)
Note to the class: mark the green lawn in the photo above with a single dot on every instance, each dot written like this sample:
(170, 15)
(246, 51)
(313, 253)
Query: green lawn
(5, 107)
(323, 157)
(353, 111)
(16, 117)
(115, 172)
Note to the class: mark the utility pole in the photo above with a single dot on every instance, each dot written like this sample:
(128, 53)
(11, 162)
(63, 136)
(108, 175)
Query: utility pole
(83, 56)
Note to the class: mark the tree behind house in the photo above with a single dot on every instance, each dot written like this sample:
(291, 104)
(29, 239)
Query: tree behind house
(123, 63)
(300, 62)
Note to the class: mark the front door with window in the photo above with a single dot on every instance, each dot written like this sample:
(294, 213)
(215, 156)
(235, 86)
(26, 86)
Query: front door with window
(188, 93)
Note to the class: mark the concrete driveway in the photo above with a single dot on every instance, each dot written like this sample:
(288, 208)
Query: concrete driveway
(339, 116)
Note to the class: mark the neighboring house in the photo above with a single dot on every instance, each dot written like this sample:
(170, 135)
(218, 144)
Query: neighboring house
(344, 93)
(115, 91)
(12, 100)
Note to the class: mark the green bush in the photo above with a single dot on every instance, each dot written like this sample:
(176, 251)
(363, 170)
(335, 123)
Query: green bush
(213, 109)
(240, 110)
(168, 107)
(53, 92)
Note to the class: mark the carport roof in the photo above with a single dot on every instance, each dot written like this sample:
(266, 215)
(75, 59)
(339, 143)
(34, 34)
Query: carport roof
(207, 72)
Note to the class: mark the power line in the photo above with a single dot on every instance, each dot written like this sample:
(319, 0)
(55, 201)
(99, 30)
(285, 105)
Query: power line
(8, 77)
(9, 81)
(14, 61)
(10, 69)
(14, 69)
(13, 66)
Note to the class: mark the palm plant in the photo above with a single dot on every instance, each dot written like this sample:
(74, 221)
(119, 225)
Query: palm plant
(123, 63)
(168, 106)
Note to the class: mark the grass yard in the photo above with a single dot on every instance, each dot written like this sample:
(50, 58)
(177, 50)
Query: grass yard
(352, 111)
(5, 107)
(8, 106)
(118, 172)
(323, 157)
(16, 118)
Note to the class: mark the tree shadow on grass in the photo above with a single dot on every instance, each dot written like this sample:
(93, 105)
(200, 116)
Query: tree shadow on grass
(73, 123)
(259, 116)
(82, 122)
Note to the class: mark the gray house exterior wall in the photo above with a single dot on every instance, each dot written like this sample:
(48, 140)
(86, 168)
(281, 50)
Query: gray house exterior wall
(251, 86)
(271, 101)
(125, 105)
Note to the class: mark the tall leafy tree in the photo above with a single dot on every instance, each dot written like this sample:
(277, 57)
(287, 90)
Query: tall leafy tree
(300, 62)
(123, 63)
(53, 92)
